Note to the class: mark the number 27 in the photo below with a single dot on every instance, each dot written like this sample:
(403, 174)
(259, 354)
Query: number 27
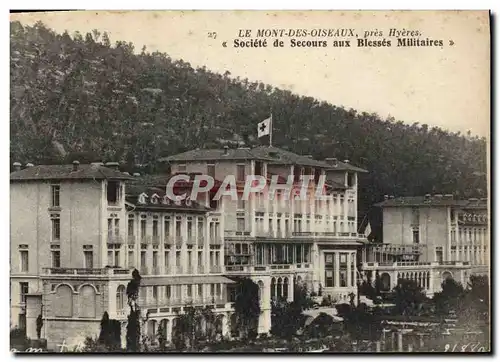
(212, 34)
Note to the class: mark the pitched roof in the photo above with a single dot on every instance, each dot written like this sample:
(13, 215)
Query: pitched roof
(214, 155)
(273, 155)
(66, 172)
(415, 201)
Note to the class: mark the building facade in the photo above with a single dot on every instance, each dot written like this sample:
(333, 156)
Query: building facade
(77, 232)
(430, 238)
(275, 239)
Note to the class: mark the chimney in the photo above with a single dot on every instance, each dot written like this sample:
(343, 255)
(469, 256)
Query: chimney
(75, 165)
(386, 197)
(448, 196)
(439, 196)
(346, 161)
(113, 165)
(137, 174)
(17, 166)
(226, 150)
(331, 161)
(29, 165)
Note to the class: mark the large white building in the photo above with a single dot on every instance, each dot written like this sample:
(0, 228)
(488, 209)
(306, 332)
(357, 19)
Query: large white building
(428, 239)
(77, 231)
(279, 242)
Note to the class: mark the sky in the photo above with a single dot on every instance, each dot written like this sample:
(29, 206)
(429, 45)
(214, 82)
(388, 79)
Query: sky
(445, 86)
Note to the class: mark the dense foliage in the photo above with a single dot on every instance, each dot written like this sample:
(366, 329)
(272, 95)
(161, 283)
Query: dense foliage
(247, 307)
(79, 96)
(134, 317)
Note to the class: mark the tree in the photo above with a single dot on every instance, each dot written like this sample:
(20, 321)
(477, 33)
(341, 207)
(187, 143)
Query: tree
(247, 306)
(450, 298)
(134, 317)
(408, 297)
(110, 335)
(39, 325)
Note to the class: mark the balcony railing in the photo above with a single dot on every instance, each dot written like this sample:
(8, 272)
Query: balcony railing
(144, 270)
(236, 234)
(169, 240)
(146, 239)
(266, 268)
(201, 242)
(131, 239)
(400, 264)
(216, 241)
(115, 239)
(87, 271)
(179, 269)
(215, 269)
(180, 302)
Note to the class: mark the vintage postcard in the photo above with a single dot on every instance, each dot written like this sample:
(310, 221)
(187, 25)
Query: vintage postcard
(250, 181)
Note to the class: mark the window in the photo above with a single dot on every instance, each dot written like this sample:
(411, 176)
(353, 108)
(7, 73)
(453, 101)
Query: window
(329, 278)
(258, 168)
(240, 172)
(211, 170)
(121, 297)
(416, 236)
(88, 256)
(200, 258)
(130, 228)
(155, 228)
(240, 224)
(168, 292)
(131, 261)
(178, 230)
(201, 227)
(190, 228)
(56, 258)
(24, 288)
(439, 254)
(350, 179)
(167, 226)
(55, 191)
(56, 228)
(113, 192)
(143, 226)
(241, 204)
(24, 260)
(415, 216)
(155, 259)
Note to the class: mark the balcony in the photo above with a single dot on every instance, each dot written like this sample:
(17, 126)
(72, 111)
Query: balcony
(216, 241)
(179, 269)
(147, 303)
(115, 239)
(215, 269)
(146, 239)
(234, 234)
(156, 270)
(201, 242)
(86, 271)
(266, 268)
(131, 239)
(190, 240)
(413, 264)
(144, 270)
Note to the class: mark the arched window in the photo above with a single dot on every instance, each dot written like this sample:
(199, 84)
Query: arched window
(87, 302)
(121, 298)
(62, 303)
(285, 288)
(385, 281)
(273, 288)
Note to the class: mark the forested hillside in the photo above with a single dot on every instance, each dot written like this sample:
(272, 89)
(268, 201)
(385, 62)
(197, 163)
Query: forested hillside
(78, 96)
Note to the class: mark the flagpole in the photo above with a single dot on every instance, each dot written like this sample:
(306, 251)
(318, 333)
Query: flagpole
(271, 131)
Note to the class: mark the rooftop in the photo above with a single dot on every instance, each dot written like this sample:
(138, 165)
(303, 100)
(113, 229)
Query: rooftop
(273, 155)
(433, 200)
(68, 172)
